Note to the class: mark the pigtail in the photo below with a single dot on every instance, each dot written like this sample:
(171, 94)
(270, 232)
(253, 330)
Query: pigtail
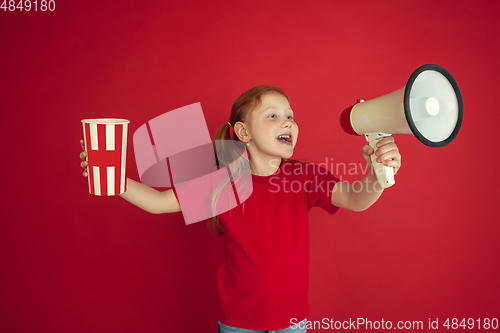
(230, 154)
(224, 132)
(222, 140)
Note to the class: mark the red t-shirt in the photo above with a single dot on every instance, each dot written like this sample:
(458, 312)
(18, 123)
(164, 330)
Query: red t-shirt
(263, 279)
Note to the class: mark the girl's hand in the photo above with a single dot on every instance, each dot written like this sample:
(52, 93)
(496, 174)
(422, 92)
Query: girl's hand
(387, 153)
(83, 157)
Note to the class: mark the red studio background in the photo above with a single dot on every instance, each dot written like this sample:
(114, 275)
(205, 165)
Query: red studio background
(74, 262)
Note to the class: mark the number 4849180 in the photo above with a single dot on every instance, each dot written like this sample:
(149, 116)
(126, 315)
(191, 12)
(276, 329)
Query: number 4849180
(486, 323)
(27, 5)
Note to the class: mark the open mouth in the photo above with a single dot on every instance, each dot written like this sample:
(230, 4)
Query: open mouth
(285, 139)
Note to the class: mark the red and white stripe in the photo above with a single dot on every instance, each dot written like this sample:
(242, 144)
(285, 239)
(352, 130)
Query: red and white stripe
(106, 150)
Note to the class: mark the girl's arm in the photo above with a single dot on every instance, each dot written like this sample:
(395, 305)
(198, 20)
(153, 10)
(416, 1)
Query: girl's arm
(143, 196)
(149, 199)
(361, 195)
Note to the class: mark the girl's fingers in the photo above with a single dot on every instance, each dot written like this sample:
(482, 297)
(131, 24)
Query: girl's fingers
(393, 164)
(83, 156)
(390, 155)
(386, 140)
(367, 150)
(392, 159)
(386, 148)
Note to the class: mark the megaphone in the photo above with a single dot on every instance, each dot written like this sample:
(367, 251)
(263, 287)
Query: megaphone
(430, 107)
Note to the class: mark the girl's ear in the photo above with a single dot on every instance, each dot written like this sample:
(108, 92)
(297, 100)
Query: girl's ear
(241, 132)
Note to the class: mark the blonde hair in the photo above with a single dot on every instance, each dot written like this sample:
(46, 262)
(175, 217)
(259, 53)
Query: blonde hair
(229, 152)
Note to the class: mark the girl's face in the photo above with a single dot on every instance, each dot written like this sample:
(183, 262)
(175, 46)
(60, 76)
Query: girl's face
(272, 128)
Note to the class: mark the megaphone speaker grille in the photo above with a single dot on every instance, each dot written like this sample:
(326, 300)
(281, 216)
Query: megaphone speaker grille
(433, 105)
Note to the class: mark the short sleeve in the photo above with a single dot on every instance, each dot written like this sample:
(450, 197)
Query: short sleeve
(319, 183)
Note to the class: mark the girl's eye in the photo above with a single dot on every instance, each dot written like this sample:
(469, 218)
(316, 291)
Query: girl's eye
(272, 116)
(290, 117)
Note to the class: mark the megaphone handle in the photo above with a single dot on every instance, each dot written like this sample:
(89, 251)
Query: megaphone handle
(385, 174)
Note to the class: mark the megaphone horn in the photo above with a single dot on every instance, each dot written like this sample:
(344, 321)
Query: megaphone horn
(430, 107)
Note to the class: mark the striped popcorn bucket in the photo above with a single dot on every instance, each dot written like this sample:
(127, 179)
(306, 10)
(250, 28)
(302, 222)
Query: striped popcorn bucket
(106, 146)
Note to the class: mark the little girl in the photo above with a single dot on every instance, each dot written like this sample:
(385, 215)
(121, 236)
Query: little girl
(263, 278)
